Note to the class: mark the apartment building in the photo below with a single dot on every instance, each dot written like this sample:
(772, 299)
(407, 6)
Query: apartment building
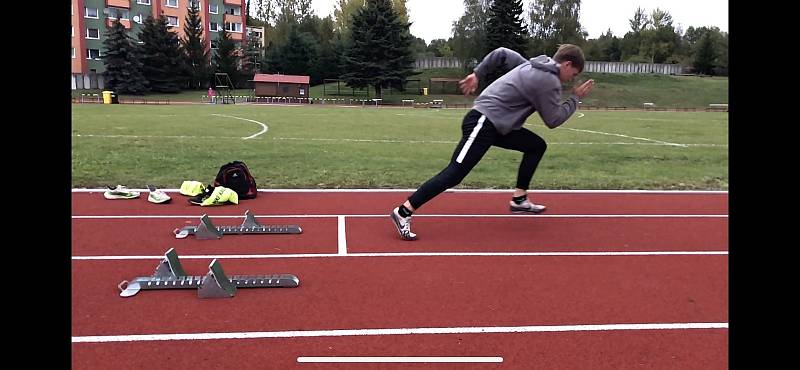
(91, 17)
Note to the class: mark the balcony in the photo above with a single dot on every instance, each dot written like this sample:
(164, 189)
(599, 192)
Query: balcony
(233, 2)
(119, 3)
(125, 22)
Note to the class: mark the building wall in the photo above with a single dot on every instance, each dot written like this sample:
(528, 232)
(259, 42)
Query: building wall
(86, 72)
(281, 89)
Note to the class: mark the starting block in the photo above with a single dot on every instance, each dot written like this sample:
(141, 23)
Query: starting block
(169, 274)
(207, 230)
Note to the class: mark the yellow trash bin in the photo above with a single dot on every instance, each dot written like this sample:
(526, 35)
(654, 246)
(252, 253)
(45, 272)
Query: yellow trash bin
(424, 91)
(107, 97)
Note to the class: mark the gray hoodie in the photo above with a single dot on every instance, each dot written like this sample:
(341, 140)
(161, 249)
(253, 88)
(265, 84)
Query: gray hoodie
(529, 86)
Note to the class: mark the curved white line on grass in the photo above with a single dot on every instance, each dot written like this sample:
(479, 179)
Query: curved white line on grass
(265, 128)
(581, 115)
(398, 331)
(626, 136)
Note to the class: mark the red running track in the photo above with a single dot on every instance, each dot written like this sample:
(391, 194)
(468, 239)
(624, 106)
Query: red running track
(352, 290)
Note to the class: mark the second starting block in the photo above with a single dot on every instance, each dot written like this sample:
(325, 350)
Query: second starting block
(207, 230)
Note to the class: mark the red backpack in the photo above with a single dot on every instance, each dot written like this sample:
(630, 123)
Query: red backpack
(236, 176)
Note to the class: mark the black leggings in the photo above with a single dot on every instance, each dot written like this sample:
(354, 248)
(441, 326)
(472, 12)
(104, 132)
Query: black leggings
(478, 134)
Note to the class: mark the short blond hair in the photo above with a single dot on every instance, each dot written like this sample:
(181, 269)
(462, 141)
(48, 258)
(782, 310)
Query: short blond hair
(572, 53)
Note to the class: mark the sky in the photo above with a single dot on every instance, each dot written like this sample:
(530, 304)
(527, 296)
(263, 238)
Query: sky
(433, 19)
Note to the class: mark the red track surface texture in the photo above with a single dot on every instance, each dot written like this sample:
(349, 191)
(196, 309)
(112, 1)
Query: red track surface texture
(549, 289)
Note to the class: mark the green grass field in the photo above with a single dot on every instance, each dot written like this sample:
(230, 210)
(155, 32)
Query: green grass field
(339, 147)
(611, 90)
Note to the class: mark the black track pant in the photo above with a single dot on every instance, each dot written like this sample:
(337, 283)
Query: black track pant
(478, 134)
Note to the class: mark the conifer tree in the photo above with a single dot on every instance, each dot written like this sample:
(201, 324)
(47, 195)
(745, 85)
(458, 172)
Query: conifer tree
(123, 72)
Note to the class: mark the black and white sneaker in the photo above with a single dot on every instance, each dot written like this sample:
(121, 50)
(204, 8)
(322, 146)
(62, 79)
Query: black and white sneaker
(526, 207)
(403, 225)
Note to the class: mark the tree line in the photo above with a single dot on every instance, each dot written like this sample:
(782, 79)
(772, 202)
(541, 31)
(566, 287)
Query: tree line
(368, 43)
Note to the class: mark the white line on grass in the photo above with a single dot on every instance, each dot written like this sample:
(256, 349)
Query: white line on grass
(626, 136)
(399, 331)
(380, 141)
(409, 254)
(263, 130)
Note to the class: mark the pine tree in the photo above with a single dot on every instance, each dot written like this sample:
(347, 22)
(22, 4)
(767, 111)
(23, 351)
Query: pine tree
(505, 28)
(161, 55)
(123, 68)
(380, 53)
(194, 48)
(226, 59)
(705, 55)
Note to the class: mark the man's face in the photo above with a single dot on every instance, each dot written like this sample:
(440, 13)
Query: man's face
(567, 72)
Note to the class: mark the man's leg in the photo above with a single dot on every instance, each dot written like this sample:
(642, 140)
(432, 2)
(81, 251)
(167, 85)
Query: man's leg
(478, 134)
(533, 147)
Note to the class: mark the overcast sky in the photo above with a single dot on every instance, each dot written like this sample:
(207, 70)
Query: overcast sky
(433, 19)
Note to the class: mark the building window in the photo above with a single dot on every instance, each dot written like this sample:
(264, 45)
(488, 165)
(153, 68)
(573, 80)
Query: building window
(144, 2)
(73, 53)
(191, 3)
(112, 13)
(213, 26)
(73, 31)
(214, 45)
(93, 33)
(213, 8)
(171, 3)
(139, 18)
(234, 10)
(233, 27)
(93, 54)
(172, 21)
(91, 13)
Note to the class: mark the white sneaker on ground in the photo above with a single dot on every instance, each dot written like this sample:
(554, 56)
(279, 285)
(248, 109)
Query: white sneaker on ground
(403, 225)
(120, 192)
(526, 207)
(157, 196)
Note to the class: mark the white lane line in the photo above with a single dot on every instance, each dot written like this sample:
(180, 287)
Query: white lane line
(411, 254)
(399, 331)
(406, 359)
(586, 191)
(263, 129)
(342, 237)
(626, 136)
(112, 217)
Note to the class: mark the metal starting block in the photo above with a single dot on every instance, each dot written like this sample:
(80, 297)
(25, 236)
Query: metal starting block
(169, 274)
(207, 230)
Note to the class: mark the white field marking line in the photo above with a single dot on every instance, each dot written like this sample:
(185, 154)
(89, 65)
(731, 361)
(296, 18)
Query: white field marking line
(399, 331)
(410, 254)
(342, 237)
(263, 130)
(381, 140)
(396, 359)
(341, 217)
(626, 136)
(157, 136)
(587, 191)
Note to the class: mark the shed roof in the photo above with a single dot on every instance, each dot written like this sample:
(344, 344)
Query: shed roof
(260, 77)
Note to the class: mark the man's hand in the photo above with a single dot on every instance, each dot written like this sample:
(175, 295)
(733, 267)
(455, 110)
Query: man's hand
(583, 89)
(468, 84)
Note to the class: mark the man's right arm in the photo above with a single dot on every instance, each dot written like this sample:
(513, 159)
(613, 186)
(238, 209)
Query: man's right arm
(499, 60)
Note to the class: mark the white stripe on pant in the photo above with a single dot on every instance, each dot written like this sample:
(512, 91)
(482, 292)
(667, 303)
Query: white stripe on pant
(471, 138)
